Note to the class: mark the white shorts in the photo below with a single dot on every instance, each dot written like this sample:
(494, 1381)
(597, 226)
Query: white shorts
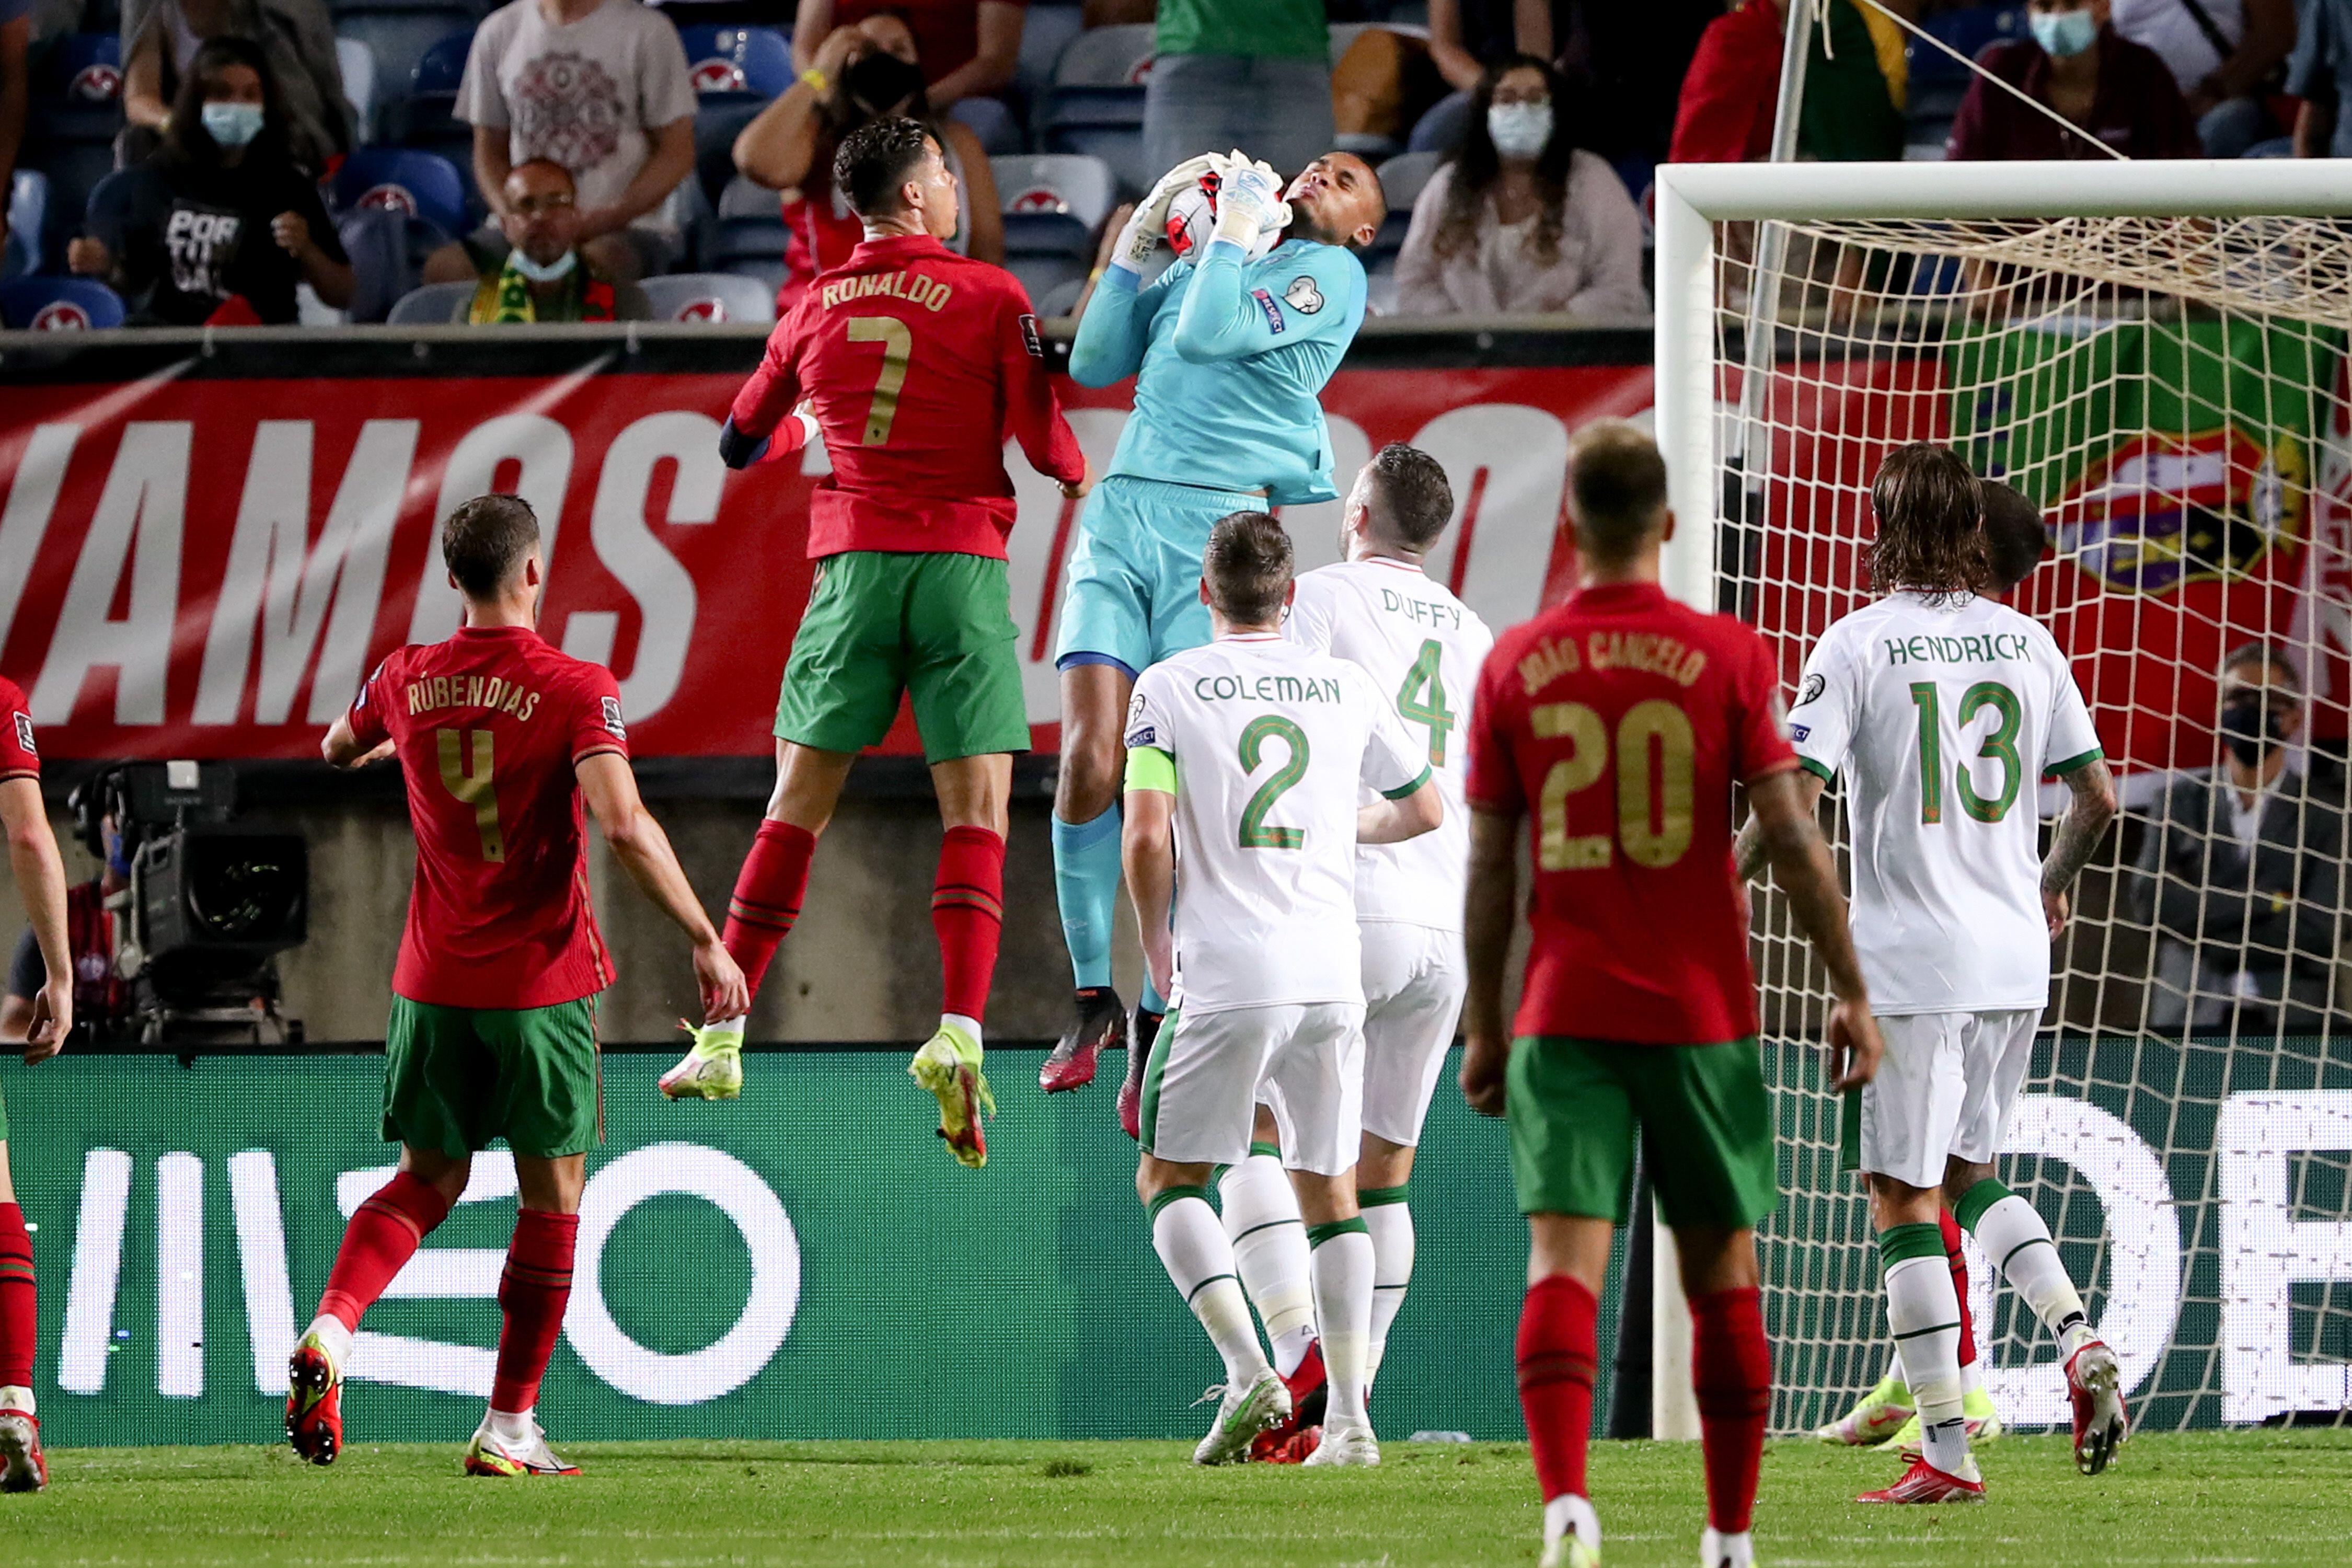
(1211, 1069)
(1414, 977)
(1945, 1089)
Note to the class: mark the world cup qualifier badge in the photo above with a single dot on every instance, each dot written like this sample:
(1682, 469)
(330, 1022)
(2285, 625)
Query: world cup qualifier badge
(24, 735)
(1302, 296)
(1030, 339)
(613, 718)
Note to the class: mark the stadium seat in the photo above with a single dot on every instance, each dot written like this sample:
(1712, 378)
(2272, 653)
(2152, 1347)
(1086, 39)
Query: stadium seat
(1096, 103)
(1043, 275)
(1969, 32)
(356, 62)
(400, 31)
(28, 211)
(1046, 32)
(716, 122)
(1053, 203)
(738, 62)
(426, 119)
(435, 305)
(1403, 177)
(419, 186)
(75, 113)
(747, 236)
(58, 304)
(710, 298)
(1061, 301)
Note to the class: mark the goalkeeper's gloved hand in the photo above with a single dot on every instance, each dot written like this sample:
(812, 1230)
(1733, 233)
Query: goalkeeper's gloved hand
(1249, 201)
(1148, 225)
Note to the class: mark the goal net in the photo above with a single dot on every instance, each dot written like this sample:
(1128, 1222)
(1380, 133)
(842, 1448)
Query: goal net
(2155, 356)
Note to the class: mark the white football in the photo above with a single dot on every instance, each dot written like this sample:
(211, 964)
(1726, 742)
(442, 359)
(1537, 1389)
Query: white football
(1193, 216)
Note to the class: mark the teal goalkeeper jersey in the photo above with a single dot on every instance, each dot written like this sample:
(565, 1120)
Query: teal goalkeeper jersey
(1230, 356)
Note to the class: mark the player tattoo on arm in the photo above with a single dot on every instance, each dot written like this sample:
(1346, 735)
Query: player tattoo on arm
(1801, 863)
(1490, 908)
(1748, 850)
(2077, 838)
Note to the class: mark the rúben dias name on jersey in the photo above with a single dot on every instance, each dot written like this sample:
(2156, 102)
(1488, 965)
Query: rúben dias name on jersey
(1652, 653)
(491, 692)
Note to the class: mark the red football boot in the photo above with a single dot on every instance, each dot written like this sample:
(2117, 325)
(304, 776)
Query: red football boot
(1923, 1482)
(2094, 1385)
(1100, 1025)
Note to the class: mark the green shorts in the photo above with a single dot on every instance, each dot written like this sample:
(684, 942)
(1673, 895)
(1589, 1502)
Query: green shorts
(936, 625)
(1703, 1112)
(454, 1078)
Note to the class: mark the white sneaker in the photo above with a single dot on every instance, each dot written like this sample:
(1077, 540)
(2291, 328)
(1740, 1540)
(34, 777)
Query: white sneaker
(1578, 1545)
(1242, 1415)
(1345, 1442)
(22, 1466)
(494, 1455)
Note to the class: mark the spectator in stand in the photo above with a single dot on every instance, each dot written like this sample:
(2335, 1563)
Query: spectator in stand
(867, 72)
(2111, 89)
(536, 271)
(1623, 62)
(16, 82)
(2318, 73)
(2223, 56)
(1522, 219)
(219, 225)
(160, 38)
(601, 88)
(1730, 96)
(2239, 872)
(970, 50)
(1251, 74)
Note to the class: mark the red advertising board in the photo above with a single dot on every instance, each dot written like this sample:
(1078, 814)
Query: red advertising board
(207, 566)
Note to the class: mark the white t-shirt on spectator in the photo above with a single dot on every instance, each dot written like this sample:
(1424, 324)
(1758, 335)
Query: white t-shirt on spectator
(2166, 27)
(583, 93)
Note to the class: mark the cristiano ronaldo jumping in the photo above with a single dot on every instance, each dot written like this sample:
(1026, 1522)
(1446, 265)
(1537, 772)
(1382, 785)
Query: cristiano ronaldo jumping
(1229, 351)
(1623, 720)
(913, 363)
(493, 1027)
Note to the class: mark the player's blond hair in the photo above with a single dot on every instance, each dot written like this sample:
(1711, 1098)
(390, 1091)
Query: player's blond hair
(1616, 489)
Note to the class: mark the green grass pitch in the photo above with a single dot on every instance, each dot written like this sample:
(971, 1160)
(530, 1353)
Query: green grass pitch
(2243, 1498)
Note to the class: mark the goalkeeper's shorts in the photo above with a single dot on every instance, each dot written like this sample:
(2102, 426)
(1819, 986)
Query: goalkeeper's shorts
(1702, 1111)
(1135, 574)
(457, 1079)
(934, 625)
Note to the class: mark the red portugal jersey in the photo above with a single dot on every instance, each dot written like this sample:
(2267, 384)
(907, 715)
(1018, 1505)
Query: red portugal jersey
(1621, 720)
(19, 757)
(918, 363)
(490, 726)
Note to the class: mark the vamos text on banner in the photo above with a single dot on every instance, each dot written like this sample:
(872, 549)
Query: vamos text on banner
(207, 566)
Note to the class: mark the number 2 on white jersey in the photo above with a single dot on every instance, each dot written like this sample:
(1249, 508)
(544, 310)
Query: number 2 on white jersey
(1255, 834)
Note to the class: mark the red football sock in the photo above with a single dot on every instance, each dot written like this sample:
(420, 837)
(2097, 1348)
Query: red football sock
(1959, 1260)
(768, 893)
(1558, 1347)
(1731, 1369)
(382, 1235)
(532, 1294)
(16, 1319)
(967, 913)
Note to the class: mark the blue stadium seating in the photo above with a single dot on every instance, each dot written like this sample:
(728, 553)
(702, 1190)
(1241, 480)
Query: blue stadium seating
(738, 62)
(1096, 103)
(426, 119)
(401, 31)
(746, 236)
(712, 297)
(75, 113)
(1968, 31)
(423, 188)
(58, 304)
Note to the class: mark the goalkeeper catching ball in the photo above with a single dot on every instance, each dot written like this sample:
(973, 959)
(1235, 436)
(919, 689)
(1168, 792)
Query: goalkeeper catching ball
(1230, 348)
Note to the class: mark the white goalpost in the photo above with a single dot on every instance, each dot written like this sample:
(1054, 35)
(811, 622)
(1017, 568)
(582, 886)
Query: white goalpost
(2155, 355)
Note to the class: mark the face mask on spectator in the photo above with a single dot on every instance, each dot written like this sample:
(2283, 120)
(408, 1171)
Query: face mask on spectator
(880, 82)
(544, 272)
(2251, 726)
(232, 124)
(1520, 129)
(2064, 33)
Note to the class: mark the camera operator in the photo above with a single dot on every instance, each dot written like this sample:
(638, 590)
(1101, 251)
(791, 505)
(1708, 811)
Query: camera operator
(99, 995)
(2239, 871)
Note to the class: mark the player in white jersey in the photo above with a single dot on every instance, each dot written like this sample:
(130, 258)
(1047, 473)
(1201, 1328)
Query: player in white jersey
(1245, 763)
(1422, 647)
(1945, 710)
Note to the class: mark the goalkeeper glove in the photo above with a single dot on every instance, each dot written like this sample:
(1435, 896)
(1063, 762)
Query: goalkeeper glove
(1148, 225)
(1249, 201)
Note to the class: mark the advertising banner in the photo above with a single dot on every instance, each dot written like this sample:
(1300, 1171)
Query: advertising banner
(803, 1262)
(196, 563)
(2191, 1190)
